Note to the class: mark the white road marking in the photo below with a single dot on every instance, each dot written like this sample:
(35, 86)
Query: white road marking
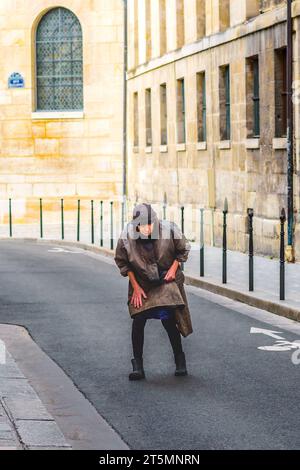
(280, 345)
(63, 250)
(273, 334)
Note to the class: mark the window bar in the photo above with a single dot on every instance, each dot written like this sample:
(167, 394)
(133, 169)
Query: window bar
(204, 108)
(256, 98)
(227, 91)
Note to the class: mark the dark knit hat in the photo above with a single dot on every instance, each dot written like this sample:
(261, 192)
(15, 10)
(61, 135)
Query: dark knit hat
(144, 214)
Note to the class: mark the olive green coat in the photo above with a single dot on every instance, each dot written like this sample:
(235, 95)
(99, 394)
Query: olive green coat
(170, 245)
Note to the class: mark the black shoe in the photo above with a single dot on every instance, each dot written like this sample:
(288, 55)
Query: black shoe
(180, 365)
(138, 370)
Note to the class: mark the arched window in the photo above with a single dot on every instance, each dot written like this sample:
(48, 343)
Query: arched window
(59, 68)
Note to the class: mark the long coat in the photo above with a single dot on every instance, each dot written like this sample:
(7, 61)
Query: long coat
(170, 245)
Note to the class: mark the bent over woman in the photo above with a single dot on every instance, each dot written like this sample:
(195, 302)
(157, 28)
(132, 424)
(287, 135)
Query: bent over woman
(150, 252)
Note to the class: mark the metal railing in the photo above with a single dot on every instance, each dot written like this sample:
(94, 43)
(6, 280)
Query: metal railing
(112, 232)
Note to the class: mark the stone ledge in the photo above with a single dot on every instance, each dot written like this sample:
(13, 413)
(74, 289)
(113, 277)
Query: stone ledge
(225, 145)
(180, 147)
(279, 143)
(48, 115)
(201, 145)
(252, 143)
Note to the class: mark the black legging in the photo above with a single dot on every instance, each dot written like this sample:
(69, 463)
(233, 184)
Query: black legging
(138, 327)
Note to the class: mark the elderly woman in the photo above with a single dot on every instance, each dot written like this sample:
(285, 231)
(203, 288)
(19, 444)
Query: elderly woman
(149, 252)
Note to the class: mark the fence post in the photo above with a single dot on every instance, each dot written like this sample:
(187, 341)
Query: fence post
(282, 255)
(62, 220)
(41, 217)
(101, 223)
(78, 220)
(251, 270)
(165, 206)
(225, 212)
(111, 226)
(92, 223)
(201, 242)
(123, 214)
(10, 219)
(182, 229)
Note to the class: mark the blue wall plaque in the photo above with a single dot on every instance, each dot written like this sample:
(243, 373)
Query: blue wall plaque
(16, 81)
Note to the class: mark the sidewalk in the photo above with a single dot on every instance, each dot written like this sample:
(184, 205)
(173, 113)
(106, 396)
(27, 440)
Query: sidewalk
(266, 274)
(25, 424)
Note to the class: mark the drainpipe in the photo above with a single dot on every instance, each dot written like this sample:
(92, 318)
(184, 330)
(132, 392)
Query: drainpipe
(125, 112)
(290, 136)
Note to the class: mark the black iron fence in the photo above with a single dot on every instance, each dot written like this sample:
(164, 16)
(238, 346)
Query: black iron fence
(113, 234)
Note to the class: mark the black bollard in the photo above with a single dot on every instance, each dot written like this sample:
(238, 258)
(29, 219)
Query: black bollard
(251, 270)
(62, 219)
(111, 225)
(225, 212)
(182, 229)
(10, 219)
(165, 206)
(101, 223)
(41, 218)
(92, 223)
(282, 255)
(78, 220)
(201, 243)
(123, 214)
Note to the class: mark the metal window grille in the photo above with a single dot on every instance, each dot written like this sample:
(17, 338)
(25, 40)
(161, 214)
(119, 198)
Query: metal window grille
(59, 64)
(256, 117)
(181, 129)
(227, 104)
(201, 93)
(204, 107)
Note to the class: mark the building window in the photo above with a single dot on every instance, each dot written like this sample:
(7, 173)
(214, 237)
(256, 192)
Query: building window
(224, 14)
(201, 107)
(136, 32)
(163, 27)
(59, 67)
(136, 119)
(252, 90)
(280, 93)
(224, 97)
(180, 22)
(163, 115)
(252, 8)
(201, 18)
(148, 118)
(148, 30)
(265, 5)
(180, 112)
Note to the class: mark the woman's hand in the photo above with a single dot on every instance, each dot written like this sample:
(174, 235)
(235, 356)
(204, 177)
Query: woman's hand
(137, 297)
(171, 274)
(138, 292)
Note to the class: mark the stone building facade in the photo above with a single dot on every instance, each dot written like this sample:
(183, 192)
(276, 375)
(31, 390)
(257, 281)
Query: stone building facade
(207, 113)
(61, 122)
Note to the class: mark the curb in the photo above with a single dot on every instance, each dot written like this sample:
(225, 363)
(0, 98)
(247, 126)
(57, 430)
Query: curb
(281, 309)
(78, 425)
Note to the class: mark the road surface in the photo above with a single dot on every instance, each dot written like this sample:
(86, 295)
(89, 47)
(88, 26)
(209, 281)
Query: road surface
(235, 397)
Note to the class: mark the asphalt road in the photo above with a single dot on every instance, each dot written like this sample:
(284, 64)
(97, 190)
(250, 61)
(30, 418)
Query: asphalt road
(235, 397)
